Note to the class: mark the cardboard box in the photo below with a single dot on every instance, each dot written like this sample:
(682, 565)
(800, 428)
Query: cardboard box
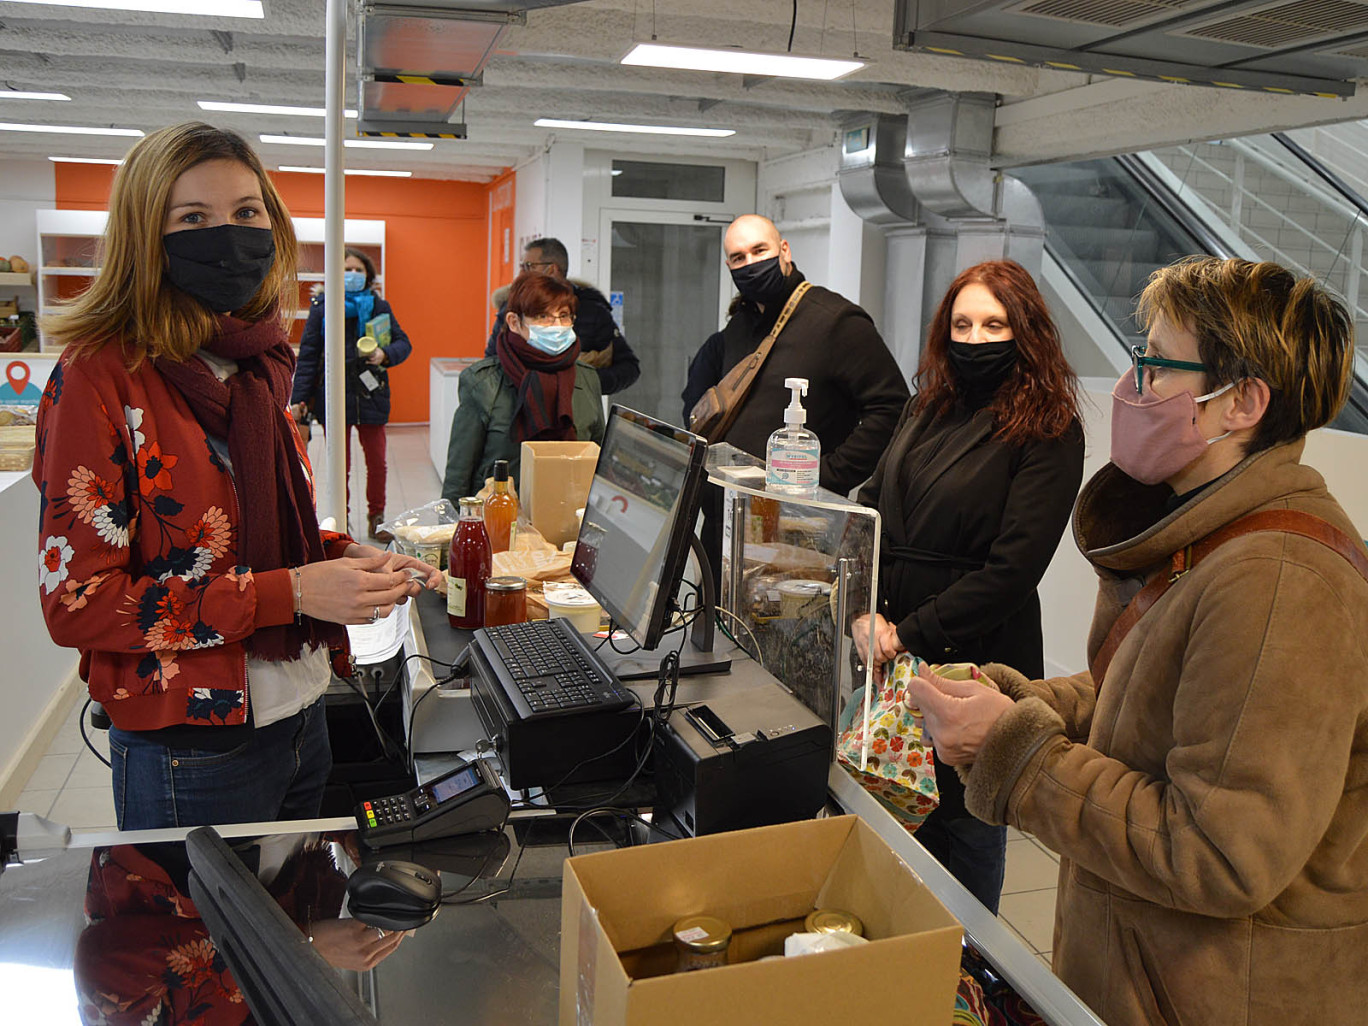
(618, 907)
(553, 482)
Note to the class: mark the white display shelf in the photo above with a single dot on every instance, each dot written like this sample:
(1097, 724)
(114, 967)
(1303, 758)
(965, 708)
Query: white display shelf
(19, 279)
(72, 272)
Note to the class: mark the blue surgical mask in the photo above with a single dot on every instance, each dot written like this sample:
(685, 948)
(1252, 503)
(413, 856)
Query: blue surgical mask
(354, 281)
(550, 339)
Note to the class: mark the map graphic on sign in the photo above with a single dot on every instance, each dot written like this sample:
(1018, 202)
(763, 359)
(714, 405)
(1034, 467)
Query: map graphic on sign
(16, 388)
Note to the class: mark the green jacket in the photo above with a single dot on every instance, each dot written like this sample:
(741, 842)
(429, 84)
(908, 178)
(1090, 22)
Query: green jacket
(482, 429)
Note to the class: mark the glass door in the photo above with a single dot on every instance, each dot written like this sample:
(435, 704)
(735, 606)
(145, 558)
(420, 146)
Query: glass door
(669, 286)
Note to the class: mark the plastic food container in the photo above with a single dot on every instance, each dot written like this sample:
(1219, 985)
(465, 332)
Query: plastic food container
(573, 603)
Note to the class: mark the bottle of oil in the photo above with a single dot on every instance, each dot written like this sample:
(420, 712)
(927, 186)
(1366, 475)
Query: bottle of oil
(501, 510)
(468, 567)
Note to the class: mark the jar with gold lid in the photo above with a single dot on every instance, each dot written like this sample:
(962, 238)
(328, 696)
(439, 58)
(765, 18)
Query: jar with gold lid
(701, 942)
(833, 920)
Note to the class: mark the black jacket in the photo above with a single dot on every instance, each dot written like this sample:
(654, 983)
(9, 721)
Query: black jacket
(970, 524)
(855, 389)
(596, 331)
(364, 406)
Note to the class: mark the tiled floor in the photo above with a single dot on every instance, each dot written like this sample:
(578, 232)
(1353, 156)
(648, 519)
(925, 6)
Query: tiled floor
(71, 786)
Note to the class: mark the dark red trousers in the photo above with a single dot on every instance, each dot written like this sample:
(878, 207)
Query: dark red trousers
(373, 449)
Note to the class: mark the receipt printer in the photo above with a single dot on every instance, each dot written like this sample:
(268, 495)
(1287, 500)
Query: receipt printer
(753, 757)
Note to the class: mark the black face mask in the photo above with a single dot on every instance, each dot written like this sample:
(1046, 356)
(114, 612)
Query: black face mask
(983, 366)
(222, 267)
(760, 282)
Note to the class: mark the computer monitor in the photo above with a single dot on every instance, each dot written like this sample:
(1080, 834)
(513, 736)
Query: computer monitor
(638, 524)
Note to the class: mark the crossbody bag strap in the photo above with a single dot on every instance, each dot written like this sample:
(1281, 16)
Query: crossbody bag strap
(1287, 521)
(757, 358)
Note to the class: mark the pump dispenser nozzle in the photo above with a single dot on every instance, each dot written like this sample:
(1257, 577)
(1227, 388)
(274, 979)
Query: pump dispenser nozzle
(794, 413)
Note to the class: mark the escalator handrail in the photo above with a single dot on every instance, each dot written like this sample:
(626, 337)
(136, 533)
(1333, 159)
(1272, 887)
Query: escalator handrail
(1322, 172)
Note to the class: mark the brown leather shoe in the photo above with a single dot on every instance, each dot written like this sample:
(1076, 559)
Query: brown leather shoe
(381, 536)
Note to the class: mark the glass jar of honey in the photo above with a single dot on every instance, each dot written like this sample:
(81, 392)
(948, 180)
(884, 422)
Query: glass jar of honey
(505, 601)
(833, 920)
(701, 942)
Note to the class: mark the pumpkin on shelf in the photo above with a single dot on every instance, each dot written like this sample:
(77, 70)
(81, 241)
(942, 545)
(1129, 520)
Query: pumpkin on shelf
(18, 265)
(5, 266)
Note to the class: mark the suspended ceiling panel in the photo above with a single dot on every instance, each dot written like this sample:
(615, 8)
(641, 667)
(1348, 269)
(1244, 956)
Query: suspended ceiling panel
(448, 45)
(1304, 46)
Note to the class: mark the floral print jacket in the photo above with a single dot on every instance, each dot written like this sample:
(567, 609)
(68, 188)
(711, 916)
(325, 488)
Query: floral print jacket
(137, 529)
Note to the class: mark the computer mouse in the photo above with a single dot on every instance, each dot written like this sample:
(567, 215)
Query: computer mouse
(394, 895)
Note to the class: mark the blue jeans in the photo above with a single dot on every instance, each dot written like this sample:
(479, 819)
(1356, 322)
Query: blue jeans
(278, 773)
(975, 852)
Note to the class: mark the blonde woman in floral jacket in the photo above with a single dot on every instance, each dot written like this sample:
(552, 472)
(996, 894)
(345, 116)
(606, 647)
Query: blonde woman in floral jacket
(180, 551)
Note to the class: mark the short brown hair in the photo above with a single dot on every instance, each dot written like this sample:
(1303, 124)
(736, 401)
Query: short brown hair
(1259, 320)
(130, 300)
(534, 295)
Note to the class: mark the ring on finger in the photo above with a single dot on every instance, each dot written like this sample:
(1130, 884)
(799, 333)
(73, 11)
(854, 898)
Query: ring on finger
(375, 614)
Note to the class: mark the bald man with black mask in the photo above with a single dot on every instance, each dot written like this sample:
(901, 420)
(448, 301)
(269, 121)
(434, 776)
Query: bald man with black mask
(856, 391)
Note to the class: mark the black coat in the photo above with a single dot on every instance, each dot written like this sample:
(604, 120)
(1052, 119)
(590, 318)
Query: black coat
(363, 405)
(855, 388)
(970, 524)
(596, 331)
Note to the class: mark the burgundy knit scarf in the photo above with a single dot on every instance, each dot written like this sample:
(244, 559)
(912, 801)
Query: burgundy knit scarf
(545, 386)
(277, 526)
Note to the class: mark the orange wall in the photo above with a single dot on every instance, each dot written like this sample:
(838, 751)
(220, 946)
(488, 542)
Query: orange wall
(437, 257)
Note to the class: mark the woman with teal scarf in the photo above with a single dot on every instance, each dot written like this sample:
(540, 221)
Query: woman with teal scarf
(368, 391)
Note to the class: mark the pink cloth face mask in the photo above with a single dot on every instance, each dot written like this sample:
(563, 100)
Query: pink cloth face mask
(1153, 438)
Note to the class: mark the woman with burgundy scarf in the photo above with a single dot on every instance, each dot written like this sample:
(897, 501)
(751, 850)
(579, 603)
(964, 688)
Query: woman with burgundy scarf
(180, 551)
(531, 389)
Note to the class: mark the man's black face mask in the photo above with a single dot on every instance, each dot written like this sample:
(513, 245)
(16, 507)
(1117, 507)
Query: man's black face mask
(760, 282)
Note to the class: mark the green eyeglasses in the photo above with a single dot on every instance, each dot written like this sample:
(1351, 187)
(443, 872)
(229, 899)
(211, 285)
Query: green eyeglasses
(1141, 361)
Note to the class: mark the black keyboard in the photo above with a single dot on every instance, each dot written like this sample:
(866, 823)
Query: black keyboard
(553, 670)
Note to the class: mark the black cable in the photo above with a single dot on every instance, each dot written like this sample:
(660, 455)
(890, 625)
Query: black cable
(399, 673)
(793, 25)
(84, 737)
(595, 758)
(389, 748)
(413, 716)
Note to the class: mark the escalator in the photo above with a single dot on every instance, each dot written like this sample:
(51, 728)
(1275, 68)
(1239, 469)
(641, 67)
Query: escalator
(1111, 222)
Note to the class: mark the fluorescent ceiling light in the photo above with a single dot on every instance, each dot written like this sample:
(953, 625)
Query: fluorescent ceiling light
(203, 8)
(608, 126)
(69, 129)
(84, 160)
(348, 171)
(11, 94)
(356, 144)
(740, 62)
(266, 108)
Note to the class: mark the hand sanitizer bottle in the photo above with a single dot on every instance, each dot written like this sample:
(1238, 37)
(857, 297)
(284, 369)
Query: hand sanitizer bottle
(794, 454)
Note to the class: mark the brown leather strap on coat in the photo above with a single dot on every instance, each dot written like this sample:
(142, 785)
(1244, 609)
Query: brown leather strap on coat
(1288, 521)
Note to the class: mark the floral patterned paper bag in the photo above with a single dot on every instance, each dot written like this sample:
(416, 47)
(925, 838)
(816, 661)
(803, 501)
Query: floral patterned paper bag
(901, 769)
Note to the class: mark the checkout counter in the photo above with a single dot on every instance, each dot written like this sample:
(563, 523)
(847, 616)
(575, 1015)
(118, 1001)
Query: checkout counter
(492, 954)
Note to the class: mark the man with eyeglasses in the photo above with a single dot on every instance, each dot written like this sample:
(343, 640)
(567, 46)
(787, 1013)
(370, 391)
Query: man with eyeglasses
(602, 345)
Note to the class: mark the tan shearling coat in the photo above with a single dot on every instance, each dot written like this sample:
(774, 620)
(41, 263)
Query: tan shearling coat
(1211, 803)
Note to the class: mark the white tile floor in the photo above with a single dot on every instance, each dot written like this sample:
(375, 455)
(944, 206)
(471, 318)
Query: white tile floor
(71, 785)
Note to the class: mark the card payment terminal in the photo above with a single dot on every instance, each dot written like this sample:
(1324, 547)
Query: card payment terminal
(467, 800)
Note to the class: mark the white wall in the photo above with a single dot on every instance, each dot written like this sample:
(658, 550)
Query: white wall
(28, 185)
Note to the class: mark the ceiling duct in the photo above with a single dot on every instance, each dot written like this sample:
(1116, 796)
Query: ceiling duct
(1225, 44)
(872, 178)
(949, 140)
(417, 61)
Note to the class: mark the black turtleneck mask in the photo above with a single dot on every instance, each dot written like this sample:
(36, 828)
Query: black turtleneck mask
(981, 367)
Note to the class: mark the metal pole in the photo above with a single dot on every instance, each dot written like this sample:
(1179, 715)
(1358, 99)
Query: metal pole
(844, 568)
(334, 209)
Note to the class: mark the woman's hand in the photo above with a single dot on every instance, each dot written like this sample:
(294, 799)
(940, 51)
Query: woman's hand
(431, 575)
(380, 358)
(350, 944)
(959, 713)
(298, 411)
(353, 590)
(887, 644)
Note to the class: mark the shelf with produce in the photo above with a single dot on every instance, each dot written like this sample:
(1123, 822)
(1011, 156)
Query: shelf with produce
(16, 279)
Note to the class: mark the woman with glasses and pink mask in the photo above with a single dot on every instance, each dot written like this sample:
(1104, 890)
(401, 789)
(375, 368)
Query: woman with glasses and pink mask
(1206, 780)
(532, 389)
